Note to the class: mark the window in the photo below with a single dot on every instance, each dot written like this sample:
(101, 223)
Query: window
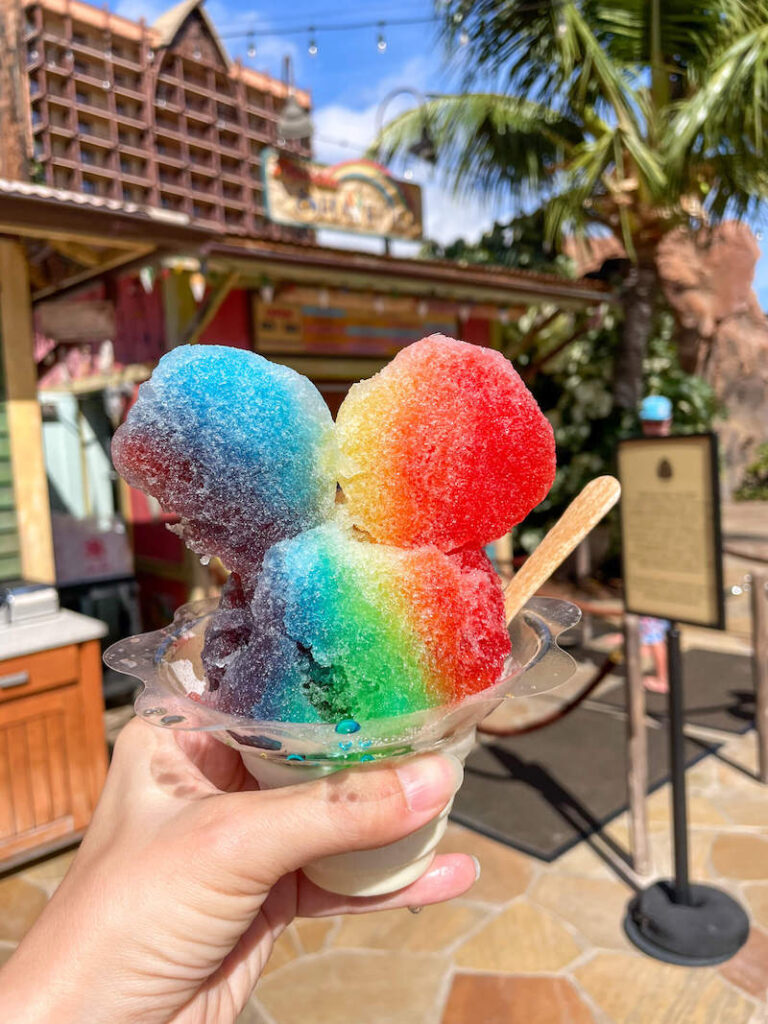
(90, 187)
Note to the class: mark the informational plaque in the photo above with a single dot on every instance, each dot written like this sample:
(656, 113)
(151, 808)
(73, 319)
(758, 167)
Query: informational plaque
(670, 521)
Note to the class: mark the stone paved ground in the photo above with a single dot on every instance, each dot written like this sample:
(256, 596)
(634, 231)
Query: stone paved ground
(532, 943)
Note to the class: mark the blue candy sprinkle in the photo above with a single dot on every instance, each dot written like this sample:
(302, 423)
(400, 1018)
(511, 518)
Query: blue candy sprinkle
(347, 726)
(367, 757)
(346, 746)
(294, 757)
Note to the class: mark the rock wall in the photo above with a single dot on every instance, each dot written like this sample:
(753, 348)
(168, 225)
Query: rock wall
(707, 280)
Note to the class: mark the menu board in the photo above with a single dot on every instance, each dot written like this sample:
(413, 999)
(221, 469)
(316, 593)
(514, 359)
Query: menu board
(670, 521)
(283, 328)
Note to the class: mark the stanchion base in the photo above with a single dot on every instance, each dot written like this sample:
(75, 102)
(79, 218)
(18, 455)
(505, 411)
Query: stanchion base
(709, 931)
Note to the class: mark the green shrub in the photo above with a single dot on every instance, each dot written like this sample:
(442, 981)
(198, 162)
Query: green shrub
(754, 487)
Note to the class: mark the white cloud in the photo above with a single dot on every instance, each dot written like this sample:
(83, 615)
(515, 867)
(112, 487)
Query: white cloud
(342, 132)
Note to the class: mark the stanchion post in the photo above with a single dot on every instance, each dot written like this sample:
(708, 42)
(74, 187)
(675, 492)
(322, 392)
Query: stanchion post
(677, 768)
(637, 748)
(760, 656)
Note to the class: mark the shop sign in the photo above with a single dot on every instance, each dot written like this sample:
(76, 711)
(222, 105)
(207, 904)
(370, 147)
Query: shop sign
(284, 328)
(67, 321)
(358, 196)
(670, 522)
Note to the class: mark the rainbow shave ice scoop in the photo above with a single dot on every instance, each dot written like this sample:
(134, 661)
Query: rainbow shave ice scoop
(243, 450)
(361, 619)
(360, 589)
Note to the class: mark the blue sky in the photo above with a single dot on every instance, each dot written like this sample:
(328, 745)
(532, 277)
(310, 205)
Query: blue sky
(348, 79)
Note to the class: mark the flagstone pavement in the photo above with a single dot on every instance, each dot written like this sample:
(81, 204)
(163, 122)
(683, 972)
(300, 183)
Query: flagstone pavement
(531, 943)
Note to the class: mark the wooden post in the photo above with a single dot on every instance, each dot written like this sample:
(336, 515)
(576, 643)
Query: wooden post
(760, 655)
(637, 748)
(30, 485)
(583, 569)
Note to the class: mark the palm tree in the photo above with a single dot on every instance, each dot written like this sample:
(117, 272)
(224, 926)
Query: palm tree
(628, 116)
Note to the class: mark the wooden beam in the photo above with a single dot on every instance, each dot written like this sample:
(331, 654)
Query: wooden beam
(30, 486)
(89, 256)
(207, 312)
(637, 749)
(117, 261)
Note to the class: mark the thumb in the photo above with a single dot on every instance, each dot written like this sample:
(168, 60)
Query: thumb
(267, 834)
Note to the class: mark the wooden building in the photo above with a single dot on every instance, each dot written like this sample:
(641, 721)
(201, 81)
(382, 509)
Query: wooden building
(156, 115)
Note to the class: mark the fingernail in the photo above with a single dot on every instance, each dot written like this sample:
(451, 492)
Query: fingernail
(429, 782)
(478, 869)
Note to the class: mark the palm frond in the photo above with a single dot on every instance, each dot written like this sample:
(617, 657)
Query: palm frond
(730, 110)
(488, 142)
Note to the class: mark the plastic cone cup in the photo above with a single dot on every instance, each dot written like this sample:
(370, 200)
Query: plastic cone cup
(365, 872)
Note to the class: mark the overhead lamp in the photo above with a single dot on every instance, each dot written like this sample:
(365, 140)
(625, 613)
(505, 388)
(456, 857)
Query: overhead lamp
(294, 122)
(312, 48)
(425, 148)
(381, 41)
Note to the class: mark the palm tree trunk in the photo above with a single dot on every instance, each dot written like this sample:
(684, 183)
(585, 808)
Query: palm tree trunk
(638, 294)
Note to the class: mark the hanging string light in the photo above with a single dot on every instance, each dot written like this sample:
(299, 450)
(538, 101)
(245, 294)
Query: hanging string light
(381, 42)
(463, 38)
(312, 48)
(251, 45)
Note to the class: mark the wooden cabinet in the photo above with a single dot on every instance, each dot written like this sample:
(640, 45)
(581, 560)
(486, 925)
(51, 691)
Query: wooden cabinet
(52, 747)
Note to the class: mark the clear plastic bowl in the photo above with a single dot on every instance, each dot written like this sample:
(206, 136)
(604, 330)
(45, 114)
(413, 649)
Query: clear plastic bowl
(169, 664)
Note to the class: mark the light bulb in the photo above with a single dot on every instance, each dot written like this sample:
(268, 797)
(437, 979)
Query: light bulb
(197, 285)
(408, 174)
(312, 48)
(463, 38)
(251, 49)
(381, 43)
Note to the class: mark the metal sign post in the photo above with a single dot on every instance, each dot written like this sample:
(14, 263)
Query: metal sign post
(673, 570)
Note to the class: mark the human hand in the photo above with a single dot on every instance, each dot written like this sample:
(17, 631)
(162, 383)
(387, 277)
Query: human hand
(188, 875)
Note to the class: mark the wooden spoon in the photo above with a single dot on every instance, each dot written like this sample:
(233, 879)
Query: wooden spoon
(582, 515)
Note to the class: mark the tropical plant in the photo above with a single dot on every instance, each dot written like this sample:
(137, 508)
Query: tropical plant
(754, 487)
(573, 389)
(632, 117)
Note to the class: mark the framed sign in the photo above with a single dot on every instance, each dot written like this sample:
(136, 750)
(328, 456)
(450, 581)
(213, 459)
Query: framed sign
(670, 523)
(358, 196)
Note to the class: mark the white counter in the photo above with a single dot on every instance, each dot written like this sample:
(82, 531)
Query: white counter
(42, 634)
